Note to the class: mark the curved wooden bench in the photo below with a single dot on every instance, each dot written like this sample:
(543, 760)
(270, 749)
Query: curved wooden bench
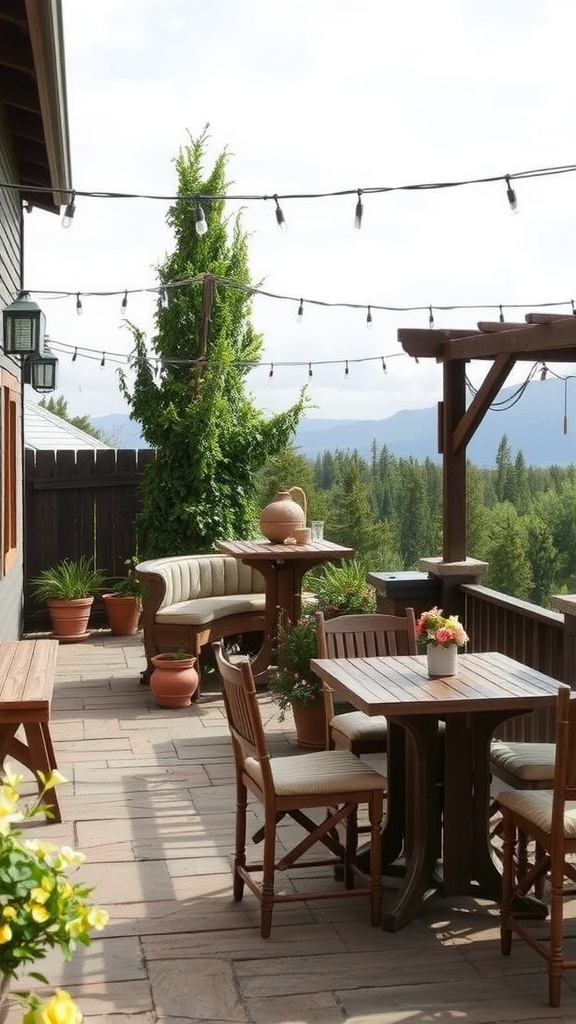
(191, 600)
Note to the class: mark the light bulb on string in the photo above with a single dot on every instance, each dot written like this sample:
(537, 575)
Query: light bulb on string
(271, 371)
(300, 312)
(310, 374)
(162, 299)
(78, 304)
(359, 212)
(511, 195)
(573, 307)
(346, 370)
(501, 318)
(280, 219)
(430, 318)
(75, 355)
(543, 372)
(69, 212)
(369, 318)
(200, 220)
(103, 360)
(384, 367)
(124, 305)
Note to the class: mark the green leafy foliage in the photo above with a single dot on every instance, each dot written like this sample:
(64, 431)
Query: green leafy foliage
(210, 440)
(68, 580)
(129, 585)
(341, 588)
(294, 682)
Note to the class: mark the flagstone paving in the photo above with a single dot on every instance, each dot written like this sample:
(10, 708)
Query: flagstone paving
(150, 801)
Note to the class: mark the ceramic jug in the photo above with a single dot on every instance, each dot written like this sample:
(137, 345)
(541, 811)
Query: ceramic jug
(283, 515)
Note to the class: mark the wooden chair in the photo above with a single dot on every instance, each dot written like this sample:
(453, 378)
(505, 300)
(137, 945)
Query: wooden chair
(521, 766)
(290, 785)
(549, 820)
(361, 636)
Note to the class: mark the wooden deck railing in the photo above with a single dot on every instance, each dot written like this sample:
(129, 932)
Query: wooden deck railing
(526, 632)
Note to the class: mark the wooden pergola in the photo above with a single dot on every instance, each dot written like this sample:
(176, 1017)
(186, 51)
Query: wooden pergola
(544, 337)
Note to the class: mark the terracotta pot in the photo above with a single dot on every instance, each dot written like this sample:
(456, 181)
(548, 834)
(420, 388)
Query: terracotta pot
(283, 515)
(442, 661)
(174, 681)
(70, 618)
(310, 722)
(123, 613)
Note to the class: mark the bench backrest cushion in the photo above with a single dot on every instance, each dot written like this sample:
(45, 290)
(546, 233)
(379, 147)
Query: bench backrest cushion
(188, 577)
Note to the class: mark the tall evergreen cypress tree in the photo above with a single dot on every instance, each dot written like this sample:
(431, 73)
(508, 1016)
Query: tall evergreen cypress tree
(209, 437)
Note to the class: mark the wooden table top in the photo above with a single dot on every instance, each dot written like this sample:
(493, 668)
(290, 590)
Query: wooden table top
(265, 550)
(401, 686)
(27, 670)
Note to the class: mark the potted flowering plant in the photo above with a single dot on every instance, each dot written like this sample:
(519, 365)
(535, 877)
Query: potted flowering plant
(293, 685)
(442, 636)
(40, 908)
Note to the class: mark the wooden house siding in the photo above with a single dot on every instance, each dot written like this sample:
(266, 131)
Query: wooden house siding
(11, 572)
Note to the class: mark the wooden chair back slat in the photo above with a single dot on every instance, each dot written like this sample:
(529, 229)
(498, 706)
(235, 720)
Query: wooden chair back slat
(366, 636)
(242, 710)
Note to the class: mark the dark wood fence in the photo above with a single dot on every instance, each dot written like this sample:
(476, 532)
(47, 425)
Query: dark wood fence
(79, 503)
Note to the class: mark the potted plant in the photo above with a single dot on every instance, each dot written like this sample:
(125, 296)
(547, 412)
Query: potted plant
(342, 589)
(294, 686)
(68, 589)
(123, 602)
(442, 635)
(174, 680)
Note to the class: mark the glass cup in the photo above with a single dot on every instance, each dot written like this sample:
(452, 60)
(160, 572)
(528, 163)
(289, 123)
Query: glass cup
(317, 527)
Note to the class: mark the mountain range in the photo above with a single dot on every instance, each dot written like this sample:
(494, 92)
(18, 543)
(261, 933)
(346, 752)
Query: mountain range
(533, 425)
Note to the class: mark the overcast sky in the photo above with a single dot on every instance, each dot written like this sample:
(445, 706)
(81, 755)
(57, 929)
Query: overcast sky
(318, 96)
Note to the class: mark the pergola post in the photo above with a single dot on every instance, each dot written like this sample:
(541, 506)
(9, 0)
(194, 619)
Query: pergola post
(453, 463)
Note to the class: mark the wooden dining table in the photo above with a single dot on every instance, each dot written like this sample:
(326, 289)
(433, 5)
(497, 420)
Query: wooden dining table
(437, 824)
(283, 567)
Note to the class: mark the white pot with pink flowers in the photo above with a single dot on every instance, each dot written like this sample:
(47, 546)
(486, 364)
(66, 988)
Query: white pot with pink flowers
(442, 636)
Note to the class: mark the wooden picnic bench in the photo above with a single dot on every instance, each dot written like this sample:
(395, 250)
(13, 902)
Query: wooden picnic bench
(27, 670)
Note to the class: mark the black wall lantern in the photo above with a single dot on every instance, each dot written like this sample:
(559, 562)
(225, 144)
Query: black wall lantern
(42, 371)
(24, 327)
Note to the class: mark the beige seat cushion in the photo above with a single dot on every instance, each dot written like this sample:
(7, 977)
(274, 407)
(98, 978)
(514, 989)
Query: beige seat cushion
(207, 609)
(536, 806)
(530, 762)
(324, 771)
(355, 725)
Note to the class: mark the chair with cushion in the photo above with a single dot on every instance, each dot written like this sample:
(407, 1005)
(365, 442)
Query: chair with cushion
(292, 786)
(548, 818)
(361, 636)
(521, 766)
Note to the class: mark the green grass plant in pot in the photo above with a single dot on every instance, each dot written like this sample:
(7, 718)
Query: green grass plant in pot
(123, 602)
(293, 686)
(68, 588)
(341, 588)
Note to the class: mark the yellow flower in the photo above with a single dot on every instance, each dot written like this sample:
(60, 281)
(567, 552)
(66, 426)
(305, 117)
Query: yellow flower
(10, 777)
(37, 912)
(68, 858)
(61, 1009)
(9, 913)
(97, 918)
(54, 779)
(5, 934)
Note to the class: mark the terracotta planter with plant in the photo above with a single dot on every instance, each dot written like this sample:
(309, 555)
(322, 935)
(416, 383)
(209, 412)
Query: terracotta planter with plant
(174, 680)
(293, 686)
(68, 589)
(123, 603)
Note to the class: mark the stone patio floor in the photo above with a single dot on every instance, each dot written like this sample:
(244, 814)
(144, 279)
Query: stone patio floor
(150, 801)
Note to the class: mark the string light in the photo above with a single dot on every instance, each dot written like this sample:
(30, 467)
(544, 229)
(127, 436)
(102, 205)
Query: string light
(124, 305)
(573, 307)
(431, 319)
(543, 372)
(78, 304)
(103, 360)
(369, 317)
(280, 219)
(69, 211)
(200, 220)
(359, 213)
(346, 370)
(75, 356)
(271, 373)
(511, 195)
(501, 317)
(300, 312)
(310, 374)
(384, 367)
